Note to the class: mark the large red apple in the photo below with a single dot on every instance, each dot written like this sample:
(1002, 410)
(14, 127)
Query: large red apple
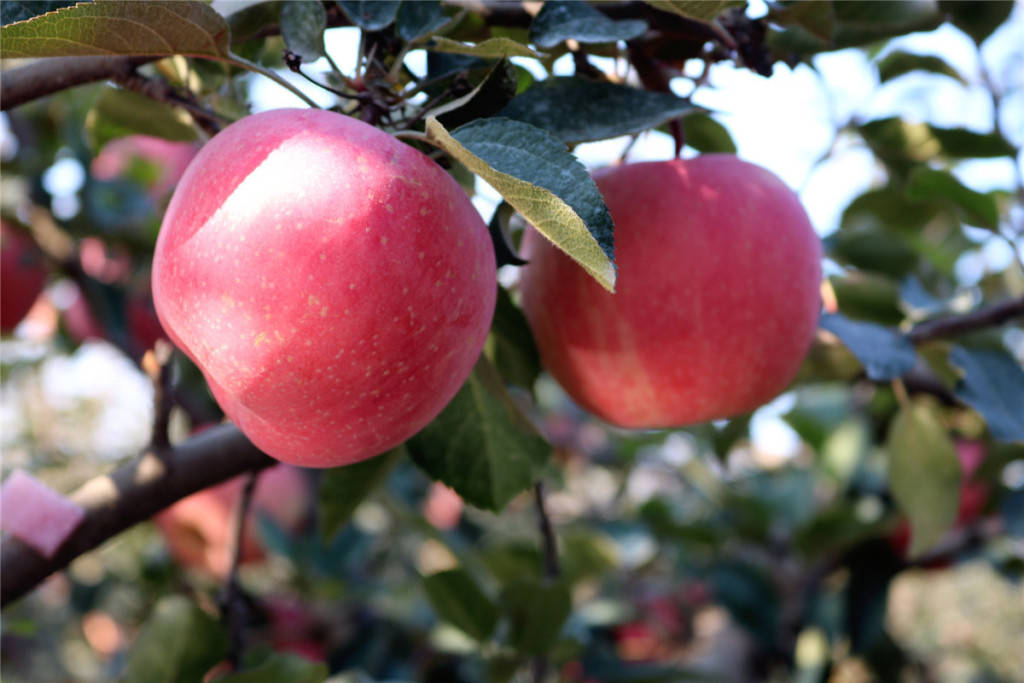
(716, 302)
(334, 284)
(22, 276)
(197, 529)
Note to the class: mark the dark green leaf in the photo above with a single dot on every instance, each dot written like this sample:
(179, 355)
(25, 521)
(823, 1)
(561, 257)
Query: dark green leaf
(975, 207)
(118, 113)
(993, 384)
(492, 48)
(342, 489)
(302, 27)
(510, 345)
(281, 666)
(560, 20)
(20, 10)
(536, 174)
(868, 297)
(578, 110)
(702, 10)
(179, 642)
(370, 15)
(460, 601)
(924, 474)
(958, 142)
(707, 135)
(536, 609)
(859, 22)
(884, 353)
(420, 19)
(749, 596)
(977, 19)
(156, 27)
(899, 62)
(484, 100)
(481, 445)
(817, 18)
(872, 248)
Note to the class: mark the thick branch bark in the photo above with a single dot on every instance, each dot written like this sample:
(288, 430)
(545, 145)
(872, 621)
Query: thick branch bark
(953, 325)
(46, 76)
(129, 495)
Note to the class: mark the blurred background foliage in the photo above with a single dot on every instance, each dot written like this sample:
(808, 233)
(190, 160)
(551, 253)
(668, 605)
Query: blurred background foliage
(772, 546)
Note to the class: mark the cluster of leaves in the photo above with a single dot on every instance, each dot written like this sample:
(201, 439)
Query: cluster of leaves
(875, 432)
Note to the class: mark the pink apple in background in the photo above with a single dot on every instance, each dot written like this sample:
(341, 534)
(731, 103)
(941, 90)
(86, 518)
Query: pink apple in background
(197, 529)
(37, 515)
(442, 507)
(22, 276)
(334, 285)
(168, 160)
(716, 303)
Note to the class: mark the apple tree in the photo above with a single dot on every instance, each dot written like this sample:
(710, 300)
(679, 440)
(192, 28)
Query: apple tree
(455, 341)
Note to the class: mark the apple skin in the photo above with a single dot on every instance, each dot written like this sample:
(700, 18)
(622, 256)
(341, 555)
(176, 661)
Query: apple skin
(335, 285)
(22, 276)
(197, 529)
(716, 302)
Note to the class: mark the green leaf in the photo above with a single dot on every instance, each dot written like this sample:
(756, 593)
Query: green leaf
(281, 666)
(707, 135)
(486, 99)
(370, 15)
(924, 474)
(458, 600)
(579, 110)
(534, 173)
(993, 384)
(975, 207)
(872, 248)
(887, 208)
(536, 609)
(867, 296)
(21, 10)
(702, 10)
(179, 642)
(117, 113)
(134, 27)
(420, 19)
(481, 445)
(560, 20)
(492, 48)
(977, 19)
(896, 141)
(884, 353)
(958, 142)
(342, 489)
(859, 22)
(900, 62)
(749, 595)
(816, 18)
(302, 26)
(510, 345)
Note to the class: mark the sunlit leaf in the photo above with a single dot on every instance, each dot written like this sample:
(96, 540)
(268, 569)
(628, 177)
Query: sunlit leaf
(492, 48)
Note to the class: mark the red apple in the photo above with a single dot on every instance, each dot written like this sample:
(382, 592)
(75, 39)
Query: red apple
(22, 276)
(197, 529)
(167, 159)
(334, 285)
(716, 301)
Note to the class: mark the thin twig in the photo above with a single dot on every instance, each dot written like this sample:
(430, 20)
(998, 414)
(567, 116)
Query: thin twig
(234, 609)
(163, 92)
(953, 325)
(552, 570)
(157, 364)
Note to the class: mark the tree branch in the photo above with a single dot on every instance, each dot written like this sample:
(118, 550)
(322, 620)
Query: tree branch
(131, 494)
(48, 75)
(953, 325)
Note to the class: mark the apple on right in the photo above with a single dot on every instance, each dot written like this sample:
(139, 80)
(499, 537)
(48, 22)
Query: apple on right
(716, 302)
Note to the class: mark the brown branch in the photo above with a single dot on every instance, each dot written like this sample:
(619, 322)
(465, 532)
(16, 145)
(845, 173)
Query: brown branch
(161, 91)
(953, 325)
(131, 494)
(46, 76)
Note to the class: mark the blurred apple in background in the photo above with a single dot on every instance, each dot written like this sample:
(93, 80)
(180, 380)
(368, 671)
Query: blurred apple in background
(22, 276)
(197, 529)
(156, 163)
(442, 507)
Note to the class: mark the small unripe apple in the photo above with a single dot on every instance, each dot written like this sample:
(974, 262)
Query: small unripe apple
(197, 529)
(22, 276)
(716, 301)
(334, 285)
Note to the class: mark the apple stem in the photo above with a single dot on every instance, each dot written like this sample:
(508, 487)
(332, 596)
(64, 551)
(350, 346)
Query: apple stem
(234, 610)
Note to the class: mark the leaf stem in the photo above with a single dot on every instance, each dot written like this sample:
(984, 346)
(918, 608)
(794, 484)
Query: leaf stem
(243, 63)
